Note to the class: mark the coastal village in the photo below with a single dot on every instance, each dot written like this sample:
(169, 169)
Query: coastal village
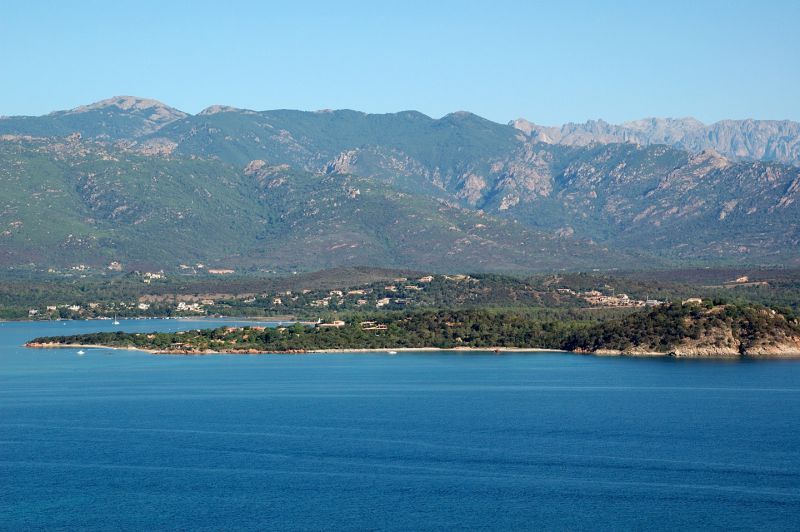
(163, 294)
(597, 298)
(399, 293)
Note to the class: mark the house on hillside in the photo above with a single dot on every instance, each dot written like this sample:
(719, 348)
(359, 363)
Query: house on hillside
(335, 323)
(373, 326)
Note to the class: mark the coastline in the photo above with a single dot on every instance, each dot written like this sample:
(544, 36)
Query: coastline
(256, 319)
(787, 355)
(32, 345)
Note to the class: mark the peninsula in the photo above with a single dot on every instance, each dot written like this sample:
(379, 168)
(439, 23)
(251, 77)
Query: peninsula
(684, 330)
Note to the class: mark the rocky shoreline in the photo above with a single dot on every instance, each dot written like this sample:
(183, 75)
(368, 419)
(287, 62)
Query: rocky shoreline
(722, 354)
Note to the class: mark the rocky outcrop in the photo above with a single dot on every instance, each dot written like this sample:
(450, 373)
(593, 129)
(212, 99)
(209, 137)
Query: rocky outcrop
(215, 109)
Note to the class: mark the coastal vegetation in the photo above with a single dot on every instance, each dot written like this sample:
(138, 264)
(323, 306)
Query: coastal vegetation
(690, 330)
(339, 292)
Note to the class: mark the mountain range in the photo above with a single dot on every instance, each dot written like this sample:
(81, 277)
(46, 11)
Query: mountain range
(138, 182)
(764, 140)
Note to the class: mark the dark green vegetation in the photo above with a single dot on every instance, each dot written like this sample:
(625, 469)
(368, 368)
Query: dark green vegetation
(72, 203)
(153, 188)
(325, 293)
(343, 291)
(717, 330)
(121, 117)
(744, 329)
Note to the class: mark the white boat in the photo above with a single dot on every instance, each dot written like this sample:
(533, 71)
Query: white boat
(81, 352)
(392, 352)
(116, 321)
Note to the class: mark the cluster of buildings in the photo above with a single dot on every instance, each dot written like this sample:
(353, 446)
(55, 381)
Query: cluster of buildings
(599, 299)
(373, 326)
(376, 295)
(400, 284)
(365, 325)
(148, 277)
(49, 310)
(100, 309)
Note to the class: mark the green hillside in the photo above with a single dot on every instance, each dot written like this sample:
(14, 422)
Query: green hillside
(80, 202)
(150, 186)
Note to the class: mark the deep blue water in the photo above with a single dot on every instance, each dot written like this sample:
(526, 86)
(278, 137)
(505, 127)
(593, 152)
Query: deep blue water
(127, 440)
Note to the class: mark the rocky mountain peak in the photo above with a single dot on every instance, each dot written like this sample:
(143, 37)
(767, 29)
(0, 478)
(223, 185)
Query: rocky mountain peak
(142, 115)
(128, 103)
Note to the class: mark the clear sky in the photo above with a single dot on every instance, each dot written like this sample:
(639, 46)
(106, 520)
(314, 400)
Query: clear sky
(550, 62)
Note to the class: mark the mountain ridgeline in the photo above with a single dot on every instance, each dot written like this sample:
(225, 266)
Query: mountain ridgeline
(769, 140)
(138, 182)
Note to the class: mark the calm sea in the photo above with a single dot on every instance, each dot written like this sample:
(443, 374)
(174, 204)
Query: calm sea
(127, 440)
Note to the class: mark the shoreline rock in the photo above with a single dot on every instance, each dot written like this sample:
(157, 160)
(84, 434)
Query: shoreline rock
(709, 354)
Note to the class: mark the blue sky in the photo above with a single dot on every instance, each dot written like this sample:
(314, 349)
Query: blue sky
(550, 62)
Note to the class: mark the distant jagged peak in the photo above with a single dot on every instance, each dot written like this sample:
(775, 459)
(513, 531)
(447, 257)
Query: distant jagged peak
(128, 103)
(526, 126)
(537, 133)
(766, 140)
(643, 124)
(591, 122)
(651, 122)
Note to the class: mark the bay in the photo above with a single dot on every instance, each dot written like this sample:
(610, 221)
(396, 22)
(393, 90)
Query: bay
(120, 439)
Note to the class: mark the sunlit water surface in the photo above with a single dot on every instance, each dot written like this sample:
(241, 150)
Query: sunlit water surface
(128, 440)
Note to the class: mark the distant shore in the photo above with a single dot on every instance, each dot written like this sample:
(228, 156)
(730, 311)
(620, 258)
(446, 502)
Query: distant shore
(599, 353)
(169, 318)
(34, 345)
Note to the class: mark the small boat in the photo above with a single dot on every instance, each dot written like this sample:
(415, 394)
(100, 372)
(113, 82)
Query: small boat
(392, 352)
(81, 352)
(116, 321)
